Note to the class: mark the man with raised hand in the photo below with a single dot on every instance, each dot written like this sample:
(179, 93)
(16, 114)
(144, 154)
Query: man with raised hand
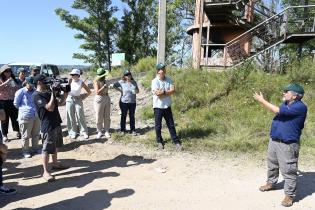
(284, 144)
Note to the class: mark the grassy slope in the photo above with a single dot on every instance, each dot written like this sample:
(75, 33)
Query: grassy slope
(215, 111)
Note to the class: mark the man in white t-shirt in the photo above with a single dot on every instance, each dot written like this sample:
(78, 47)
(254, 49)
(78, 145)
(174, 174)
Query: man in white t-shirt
(162, 88)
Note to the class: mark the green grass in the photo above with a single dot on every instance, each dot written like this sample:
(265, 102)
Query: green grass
(215, 111)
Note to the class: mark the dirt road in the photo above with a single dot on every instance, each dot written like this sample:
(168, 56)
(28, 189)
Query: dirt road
(108, 175)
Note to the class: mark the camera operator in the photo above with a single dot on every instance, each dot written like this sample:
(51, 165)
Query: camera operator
(46, 104)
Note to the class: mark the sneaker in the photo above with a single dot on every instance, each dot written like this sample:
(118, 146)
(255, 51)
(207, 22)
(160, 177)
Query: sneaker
(72, 136)
(7, 191)
(5, 139)
(27, 155)
(178, 146)
(134, 133)
(18, 135)
(160, 146)
(266, 187)
(287, 201)
(107, 134)
(99, 135)
(122, 132)
(85, 136)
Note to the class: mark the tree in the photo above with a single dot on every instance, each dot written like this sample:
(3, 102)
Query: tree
(96, 29)
(136, 34)
(180, 15)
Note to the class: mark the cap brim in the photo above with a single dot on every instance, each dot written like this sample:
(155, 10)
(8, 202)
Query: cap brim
(103, 75)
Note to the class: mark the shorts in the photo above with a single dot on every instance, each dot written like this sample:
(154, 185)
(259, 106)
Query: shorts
(51, 140)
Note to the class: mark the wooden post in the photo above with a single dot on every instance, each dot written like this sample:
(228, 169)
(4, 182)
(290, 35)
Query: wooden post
(161, 32)
(196, 38)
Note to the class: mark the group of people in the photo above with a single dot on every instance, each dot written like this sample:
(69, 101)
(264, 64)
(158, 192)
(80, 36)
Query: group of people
(38, 108)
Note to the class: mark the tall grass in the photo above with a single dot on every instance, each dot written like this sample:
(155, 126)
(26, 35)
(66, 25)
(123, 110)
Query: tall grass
(216, 110)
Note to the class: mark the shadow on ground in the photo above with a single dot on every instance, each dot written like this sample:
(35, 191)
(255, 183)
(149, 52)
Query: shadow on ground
(88, 171)
(94, 200)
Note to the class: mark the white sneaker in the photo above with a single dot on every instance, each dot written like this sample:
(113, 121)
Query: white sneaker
(107, 134)
(84, 134)
(99, 135)
(72, 136)
(5, 139)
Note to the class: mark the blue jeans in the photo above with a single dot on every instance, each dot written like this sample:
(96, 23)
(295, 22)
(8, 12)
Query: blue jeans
(125, 107)
(168, 116)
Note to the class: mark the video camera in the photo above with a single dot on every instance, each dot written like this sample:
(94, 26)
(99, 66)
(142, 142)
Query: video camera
(58, 85)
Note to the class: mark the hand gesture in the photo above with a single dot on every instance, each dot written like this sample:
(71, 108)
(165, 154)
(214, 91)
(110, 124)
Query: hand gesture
(258, 97)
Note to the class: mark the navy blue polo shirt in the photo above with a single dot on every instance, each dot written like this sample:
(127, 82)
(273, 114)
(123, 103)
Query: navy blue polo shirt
(287, 125)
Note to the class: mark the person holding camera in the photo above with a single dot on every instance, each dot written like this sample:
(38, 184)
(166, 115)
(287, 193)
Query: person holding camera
(8, 86)
(27, 118)
(74, 105)
(46, 104)
(102, 103)
(284, 143)
(127, 103)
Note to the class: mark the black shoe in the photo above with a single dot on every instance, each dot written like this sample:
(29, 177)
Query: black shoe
(7, 191)
(18, 135)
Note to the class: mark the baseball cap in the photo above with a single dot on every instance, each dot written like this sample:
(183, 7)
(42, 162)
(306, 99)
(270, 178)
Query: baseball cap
(39, 77)
(75, 71)
(127, 72)
(30, 80)
(34, 67)
(295, 88)
(160, 66)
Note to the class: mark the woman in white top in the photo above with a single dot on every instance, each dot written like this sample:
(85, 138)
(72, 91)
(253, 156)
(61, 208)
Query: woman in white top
(74, 106)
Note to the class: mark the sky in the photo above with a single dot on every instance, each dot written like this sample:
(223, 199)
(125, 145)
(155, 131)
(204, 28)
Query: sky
(30, 31)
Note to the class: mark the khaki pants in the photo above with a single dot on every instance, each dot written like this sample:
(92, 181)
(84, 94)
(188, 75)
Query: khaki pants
(30, 129)
(284, 157)
(102, 110)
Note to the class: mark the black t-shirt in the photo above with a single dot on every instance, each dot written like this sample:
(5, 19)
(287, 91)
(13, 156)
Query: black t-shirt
(48, 120)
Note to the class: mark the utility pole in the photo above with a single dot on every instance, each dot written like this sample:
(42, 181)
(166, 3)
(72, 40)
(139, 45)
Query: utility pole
(161, 32)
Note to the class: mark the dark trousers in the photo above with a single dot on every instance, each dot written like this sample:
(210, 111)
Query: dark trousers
(1, 183)
(168, 116)
(12, 112)
(125, 108)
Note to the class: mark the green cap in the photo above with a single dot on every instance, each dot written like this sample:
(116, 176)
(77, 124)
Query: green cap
(295, 88)
(160, 66)
(127, 72)
(34, 67)
(101, 72)
(30, 80)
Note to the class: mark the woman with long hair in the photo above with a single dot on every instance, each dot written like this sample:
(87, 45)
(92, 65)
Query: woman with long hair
(8, 86)
(127, 103)
(102, 103)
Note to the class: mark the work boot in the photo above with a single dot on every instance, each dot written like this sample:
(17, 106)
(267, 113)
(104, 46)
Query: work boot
(266, 187)
(287, 201)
